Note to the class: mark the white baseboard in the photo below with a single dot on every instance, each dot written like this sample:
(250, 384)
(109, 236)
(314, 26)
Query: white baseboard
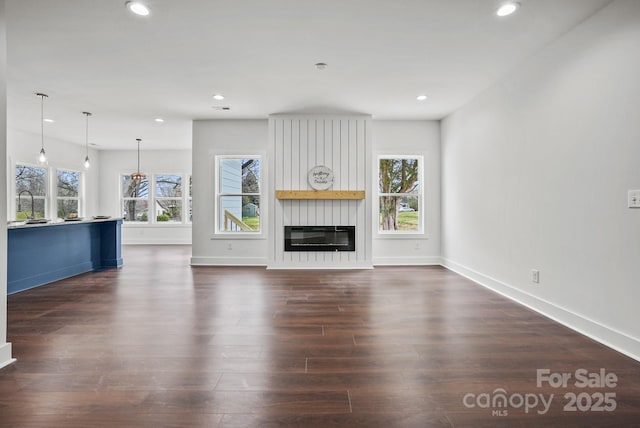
(608, 336)
(156, 242)
(5, 355)
(228, 261)
(406, 261)
(321, 266)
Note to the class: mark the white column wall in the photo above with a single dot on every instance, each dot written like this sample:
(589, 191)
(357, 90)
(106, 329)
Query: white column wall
(5, 348)
(535, 176)
(341, 143)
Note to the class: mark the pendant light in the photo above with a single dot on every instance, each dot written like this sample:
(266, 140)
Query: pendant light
(87, 164)
(138, 176)
(42, 158)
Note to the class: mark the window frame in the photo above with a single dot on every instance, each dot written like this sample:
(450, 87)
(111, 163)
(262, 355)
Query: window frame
(124, 198)
(218, 232)
(155, 198)
(151, 199)
(47, 186)
(420, 194)
(79, 198)
(189, 200)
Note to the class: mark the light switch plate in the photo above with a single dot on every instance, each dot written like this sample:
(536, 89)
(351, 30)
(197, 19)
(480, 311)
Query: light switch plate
(634, 198)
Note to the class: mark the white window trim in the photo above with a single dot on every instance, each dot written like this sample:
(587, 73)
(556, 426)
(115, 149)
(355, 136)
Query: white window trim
(79, 198)
(221, 234)
(188, 199)
(47, 197)
(122, 199)
(400, 234)
(51, 198)
(151, 220)
(183, 215)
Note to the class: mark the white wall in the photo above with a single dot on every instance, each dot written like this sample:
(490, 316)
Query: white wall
(5, 348)
(233, 137)
(410, 137)
(535, 176)
(24, 147)
(116, 162)
(341, 143)
(224, 137)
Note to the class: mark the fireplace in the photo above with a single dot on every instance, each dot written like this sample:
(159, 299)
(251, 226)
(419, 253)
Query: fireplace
(319, 238)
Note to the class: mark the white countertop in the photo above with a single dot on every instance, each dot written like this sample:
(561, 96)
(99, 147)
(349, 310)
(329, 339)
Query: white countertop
(57, 222)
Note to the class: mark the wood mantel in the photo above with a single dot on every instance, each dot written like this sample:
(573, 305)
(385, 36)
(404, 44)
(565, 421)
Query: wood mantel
(320, 194)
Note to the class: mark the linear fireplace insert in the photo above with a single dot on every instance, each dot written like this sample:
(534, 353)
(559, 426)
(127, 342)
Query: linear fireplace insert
(319, 238)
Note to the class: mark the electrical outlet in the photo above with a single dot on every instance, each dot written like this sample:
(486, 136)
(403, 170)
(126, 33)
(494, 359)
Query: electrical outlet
(535, 276)
(634, 198)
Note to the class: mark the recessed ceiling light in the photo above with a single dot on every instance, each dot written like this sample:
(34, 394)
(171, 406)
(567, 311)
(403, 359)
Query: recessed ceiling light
(218, 97)
(321, 65)
(137, 8)
(507, 8)
(49, 120)
(159, 119)
(421, 97)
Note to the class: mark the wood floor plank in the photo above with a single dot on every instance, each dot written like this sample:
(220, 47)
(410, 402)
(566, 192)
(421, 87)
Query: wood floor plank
(160, 343)
(420, 419)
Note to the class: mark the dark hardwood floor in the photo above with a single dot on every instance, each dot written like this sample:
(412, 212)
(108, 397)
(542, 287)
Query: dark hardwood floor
(160, 344)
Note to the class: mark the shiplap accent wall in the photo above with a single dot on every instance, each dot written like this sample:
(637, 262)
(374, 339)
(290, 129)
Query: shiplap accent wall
(342, 143)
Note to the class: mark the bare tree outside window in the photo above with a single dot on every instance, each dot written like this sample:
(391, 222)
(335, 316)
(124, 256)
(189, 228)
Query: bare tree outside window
(399, 194)
(68, 193)
(135, 199)
(168, 198)
(30, 181)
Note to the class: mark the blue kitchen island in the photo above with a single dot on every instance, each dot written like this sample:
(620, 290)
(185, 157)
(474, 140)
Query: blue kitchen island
(42, 253)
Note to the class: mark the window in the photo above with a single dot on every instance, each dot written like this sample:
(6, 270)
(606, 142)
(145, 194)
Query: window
(31, 192)
(135, 199)
(238, 197)
(67, 193)
(168, 198)
(157, 199)
(190, 217)
(400, 194)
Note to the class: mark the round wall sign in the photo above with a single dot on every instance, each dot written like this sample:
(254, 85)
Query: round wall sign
(320, 177)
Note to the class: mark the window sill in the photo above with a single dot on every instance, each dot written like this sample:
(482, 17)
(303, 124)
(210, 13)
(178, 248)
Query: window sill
(159, 225)
(238, 235)
(401, 235)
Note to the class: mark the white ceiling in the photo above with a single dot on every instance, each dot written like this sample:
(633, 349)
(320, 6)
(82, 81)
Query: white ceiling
(94, 55)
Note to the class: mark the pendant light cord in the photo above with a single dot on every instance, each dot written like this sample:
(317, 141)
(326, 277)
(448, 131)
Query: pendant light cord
(86, 113)
(86, 140)
(42, 119)
(42, 96)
